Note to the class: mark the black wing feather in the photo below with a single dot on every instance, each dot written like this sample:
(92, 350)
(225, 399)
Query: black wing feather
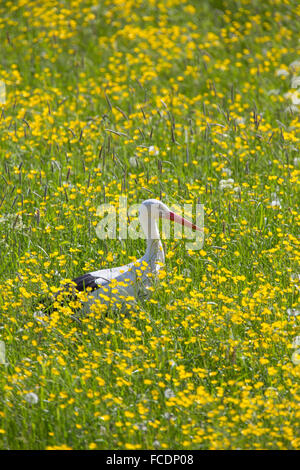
(82, 283)
(85, 281)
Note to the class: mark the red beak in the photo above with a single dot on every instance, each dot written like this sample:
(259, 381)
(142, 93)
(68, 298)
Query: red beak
(180, 220)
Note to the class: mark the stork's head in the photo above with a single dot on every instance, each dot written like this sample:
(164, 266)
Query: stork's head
(152, 209)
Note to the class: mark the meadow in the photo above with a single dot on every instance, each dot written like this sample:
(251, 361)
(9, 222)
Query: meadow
(189, 102)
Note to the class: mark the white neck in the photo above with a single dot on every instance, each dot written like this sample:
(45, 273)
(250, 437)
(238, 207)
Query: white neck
(154, 252)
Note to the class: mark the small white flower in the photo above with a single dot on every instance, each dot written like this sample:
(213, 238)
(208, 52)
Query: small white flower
(274, 91)
(153, 150)
(281, 72)
(276, 203)
(186, 136)
(133, 161)
(38, 316)
(169, 393)
(296, 161)
(293, 96)
(227, 171)
(2, 353)
(31, 398)
(187, 272)
(295, 65)
(141, 426)
(294, 312)
(240, 120)
(223, 184)
(296, 342)
(2, 92)
(295, 83)
(292, 109)
(296, 357)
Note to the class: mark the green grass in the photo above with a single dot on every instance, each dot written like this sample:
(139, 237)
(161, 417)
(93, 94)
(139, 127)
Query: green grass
(211, 361)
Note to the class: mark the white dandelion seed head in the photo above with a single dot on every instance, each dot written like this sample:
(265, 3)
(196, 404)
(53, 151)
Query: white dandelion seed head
(31, 398)
(169, 393)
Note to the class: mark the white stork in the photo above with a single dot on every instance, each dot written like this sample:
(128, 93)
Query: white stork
(120, 285)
